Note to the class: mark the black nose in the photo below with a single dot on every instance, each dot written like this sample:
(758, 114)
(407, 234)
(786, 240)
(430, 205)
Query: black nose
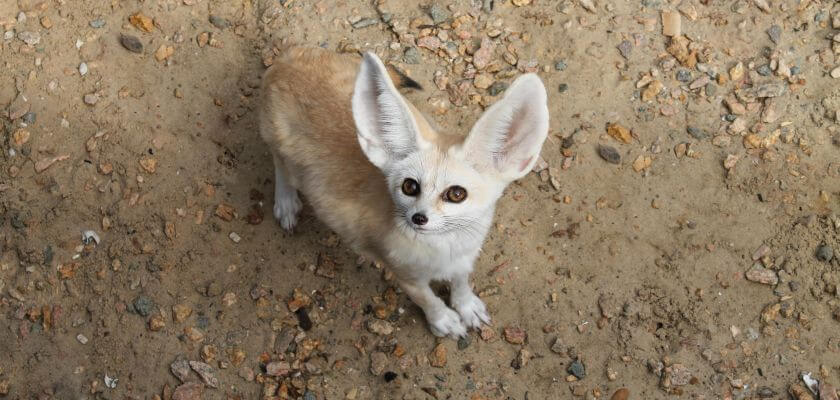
(419, 219)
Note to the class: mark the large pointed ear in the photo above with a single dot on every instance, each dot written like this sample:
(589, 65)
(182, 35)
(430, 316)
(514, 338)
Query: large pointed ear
(508, 137)
(386, 127)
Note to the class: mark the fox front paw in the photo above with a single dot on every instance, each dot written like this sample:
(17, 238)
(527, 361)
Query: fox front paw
(286, 209)
(447, 323)
(473, 311)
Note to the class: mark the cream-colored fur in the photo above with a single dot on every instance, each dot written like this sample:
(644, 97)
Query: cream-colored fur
(343, 136)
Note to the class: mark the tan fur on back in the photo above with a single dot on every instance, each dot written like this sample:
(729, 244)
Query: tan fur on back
(308, 121)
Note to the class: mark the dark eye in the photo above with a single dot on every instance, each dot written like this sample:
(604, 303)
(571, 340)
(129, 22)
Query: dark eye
(455, 194)
(410, 187)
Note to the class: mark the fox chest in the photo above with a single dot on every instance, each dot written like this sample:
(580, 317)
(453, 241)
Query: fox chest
(431, 260)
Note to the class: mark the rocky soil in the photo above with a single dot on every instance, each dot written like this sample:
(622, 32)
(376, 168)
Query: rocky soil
(679, 238)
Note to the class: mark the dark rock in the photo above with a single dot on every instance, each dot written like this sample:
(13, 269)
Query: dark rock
(496, 88)
(825, 253)
(560, 66)
(609, 154)
(711, 90)
(144, 305)
(390, 376)
(131, 43)
(29, 118)
(438, 14)
(563, 87)
(303, 319)
(577, 369)
(464, 342)
(219, 22)
(697, 133)
(764, 70)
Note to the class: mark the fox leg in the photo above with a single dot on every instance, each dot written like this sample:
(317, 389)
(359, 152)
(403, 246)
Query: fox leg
(287, 204)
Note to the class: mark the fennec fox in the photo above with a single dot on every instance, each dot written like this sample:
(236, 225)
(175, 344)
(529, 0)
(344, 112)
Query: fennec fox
(392, 187)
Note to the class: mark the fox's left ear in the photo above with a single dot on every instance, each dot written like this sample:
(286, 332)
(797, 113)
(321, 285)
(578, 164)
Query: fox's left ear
(508, 137)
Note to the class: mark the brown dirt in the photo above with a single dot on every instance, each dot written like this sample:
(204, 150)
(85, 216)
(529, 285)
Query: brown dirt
(639, 275)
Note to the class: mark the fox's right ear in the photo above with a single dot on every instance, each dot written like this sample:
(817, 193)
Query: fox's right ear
(386, 127)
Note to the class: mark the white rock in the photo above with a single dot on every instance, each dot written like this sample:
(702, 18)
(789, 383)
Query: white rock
(589, 5)
(671, 23)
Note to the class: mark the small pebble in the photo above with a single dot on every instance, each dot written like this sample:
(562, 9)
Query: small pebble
(365, 22)
(464, 342)
(437, 358)
(188, 391)
(235, 237)
(378, 362)
(825, 253)
(609, 154)
(621, 394)
(411, 56)
(278, 368)
(764, 70)
(181, 369)
(82, 338)
(97, 23)
(143, 305)
(775, 33)
(83, 69)
(515, 335)
(762, 275)
(625, 48)
(29, 118)
(438, 14)
(91, 99)
(206, 373)
(380, 327)
(496, 88)
(697, 133)
(560, 66)
(131, 43)
(577, 369)
(711, 90)
(563, 87)
(30, 38)
(683, 75)
(219, 22)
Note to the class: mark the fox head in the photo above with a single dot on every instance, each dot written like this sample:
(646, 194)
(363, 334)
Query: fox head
(438, 186)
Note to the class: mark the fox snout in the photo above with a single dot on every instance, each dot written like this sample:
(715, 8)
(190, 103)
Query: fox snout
(419, 219)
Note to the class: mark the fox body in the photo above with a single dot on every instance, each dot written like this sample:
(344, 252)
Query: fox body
(377, 173)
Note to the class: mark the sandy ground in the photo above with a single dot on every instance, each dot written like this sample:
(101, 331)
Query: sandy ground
(698, 264)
